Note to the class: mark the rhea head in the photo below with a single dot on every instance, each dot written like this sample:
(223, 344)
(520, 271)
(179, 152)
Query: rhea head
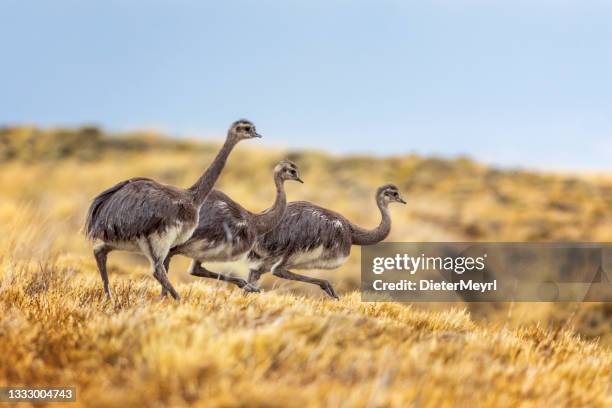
(287, 171)
(389, 194)
(242, 129)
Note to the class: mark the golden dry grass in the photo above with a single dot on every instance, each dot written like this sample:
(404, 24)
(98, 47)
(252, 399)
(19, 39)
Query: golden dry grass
(288, 346)
(218, 347)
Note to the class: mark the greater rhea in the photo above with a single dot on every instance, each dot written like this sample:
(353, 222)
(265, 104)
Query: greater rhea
(312, 237)
(227, 231)
(142, 215)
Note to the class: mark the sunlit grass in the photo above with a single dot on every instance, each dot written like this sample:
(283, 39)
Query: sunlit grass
(220, 347)
(289, 346)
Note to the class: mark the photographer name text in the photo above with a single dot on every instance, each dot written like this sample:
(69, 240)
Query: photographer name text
(424, 284)
(455, 265)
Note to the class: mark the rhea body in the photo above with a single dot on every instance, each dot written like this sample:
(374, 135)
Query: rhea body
(313, 237)
(142, 215)
(227, 231)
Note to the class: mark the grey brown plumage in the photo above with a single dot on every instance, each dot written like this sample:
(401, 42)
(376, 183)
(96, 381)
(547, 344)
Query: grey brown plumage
(305, 227)
(226, 224)
(153, 207)
(145, 216)
(228, 230)
(312, 237)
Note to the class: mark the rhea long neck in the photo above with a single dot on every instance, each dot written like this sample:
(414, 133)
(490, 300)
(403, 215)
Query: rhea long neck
(361, 236)
(270, 218)
(206, 182)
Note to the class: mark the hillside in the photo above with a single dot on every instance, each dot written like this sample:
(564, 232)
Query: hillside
(289, 346)
(218, 347)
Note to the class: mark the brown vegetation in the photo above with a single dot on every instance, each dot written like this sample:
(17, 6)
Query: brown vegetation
(289, 345)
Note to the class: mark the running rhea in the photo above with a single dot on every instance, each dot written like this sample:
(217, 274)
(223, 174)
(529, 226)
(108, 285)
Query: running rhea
(312, 237)
(144, 216)
(227, 231)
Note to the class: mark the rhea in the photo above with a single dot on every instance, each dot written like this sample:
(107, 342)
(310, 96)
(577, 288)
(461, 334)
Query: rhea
(144, 216)
(312, 237)
(227, 231)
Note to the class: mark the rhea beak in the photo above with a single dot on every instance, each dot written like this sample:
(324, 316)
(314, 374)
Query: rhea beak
(401, 200)
(257, 135)
(299, 179)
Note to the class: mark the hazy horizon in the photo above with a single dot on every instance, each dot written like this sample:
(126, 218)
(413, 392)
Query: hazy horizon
(514, 84)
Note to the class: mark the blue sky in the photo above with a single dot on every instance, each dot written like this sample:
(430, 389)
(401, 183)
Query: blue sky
(515, 83)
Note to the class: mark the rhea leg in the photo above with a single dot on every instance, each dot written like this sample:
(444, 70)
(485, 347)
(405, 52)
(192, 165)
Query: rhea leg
(159, 272)
(164, 292)
(255, 274)
(195, 269)
(157, 257)
(100, 253)
(280, 271)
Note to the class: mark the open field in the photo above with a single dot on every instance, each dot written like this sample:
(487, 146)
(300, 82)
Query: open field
(218, 347)
(289, 346)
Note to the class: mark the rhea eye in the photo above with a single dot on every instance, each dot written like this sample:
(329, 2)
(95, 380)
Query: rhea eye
(247, 129)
